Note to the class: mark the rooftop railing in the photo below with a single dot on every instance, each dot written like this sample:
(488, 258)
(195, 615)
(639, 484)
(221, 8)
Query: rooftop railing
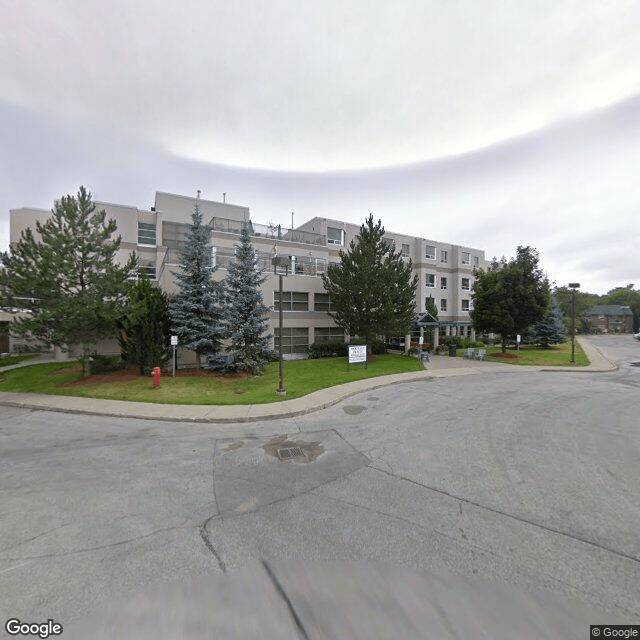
(275, 232)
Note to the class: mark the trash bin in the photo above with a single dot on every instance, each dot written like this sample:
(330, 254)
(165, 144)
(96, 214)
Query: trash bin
(424, 356)
(452, 350)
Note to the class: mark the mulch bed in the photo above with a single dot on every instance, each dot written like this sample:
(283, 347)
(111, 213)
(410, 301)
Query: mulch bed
(127, 375)
(504, 356)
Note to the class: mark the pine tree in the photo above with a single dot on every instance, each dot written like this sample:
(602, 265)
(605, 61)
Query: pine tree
(245, 313)
(195, 312)
(551, 330)
(371, 289)
(66, 274)
(144, 328)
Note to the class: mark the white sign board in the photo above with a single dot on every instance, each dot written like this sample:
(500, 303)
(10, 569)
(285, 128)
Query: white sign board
(174, 341)
(421, 340)
(357, 353)
(518, 338)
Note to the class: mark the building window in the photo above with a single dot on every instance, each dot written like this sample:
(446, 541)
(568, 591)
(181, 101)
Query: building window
(334, 236)
(147, 234)
(444, 256)
(466, 258)
(324, 334)
(476, 260)
(465, 284)
(443, 283)
(405, 250)
(291, 301)
(430, 280)
(322, 302)
(174, 234)
(294, 339)
(465, 305)
(388, 244)
(443, 304)
(149, 268)
(430, 252)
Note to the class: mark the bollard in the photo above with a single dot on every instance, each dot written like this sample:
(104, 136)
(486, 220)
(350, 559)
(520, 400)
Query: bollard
(156, 377)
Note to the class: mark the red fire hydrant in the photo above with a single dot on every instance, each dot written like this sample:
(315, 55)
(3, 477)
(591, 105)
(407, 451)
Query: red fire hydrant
(156, 377)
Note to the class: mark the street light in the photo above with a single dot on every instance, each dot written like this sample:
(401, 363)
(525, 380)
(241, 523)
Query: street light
(280, 261)
(573, 286)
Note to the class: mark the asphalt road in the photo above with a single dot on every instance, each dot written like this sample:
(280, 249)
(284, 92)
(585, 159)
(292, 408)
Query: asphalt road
(526, 479)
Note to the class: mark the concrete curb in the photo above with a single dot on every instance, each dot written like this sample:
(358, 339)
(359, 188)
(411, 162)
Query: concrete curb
(442, 367)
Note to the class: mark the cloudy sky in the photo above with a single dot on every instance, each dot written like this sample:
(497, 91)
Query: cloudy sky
(490, 123)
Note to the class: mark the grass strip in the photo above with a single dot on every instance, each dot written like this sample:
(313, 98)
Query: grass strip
(301, 378)
(555, 356)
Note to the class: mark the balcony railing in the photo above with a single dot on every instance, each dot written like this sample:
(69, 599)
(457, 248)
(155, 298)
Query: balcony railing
(275, 232)
(297, 265)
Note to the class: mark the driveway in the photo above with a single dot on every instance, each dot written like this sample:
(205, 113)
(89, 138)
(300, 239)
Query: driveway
(527, 481)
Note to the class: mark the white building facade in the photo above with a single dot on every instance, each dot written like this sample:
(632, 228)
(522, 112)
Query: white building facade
(445, 271)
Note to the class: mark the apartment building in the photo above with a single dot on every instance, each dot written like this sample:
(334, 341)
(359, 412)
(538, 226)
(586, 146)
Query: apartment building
(444, 270)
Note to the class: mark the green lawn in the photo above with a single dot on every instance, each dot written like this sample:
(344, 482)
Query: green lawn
(556, 356)
(301, 377)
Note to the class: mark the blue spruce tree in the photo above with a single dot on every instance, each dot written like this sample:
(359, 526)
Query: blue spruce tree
(245, 314)
(195, 311)
(551, 330)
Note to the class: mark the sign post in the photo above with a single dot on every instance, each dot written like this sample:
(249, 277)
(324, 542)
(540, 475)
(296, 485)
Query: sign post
(358, 354)
(174, 344)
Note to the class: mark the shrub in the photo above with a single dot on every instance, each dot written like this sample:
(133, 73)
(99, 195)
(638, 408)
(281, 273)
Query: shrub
(378, 347)
(328, 349)
(106, 364)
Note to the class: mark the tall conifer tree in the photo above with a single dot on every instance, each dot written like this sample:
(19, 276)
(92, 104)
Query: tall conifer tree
(372, 290)
(66, 274)
(144, 337)
(245, 314)
(195, 311)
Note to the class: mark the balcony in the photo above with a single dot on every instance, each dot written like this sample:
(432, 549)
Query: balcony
(275, 232)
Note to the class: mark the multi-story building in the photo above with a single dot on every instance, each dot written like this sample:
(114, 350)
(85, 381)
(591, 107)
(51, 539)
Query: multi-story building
(610, 318)
(445, 271)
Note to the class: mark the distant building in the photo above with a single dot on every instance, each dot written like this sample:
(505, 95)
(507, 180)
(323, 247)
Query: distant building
(610, 318)
(445, 271)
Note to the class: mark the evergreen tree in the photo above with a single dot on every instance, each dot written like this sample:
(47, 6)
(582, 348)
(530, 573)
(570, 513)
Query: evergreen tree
(144, 328)
(66, 274)
(510, 296)
(245, 314)
(430, 307)
(195, 312)
(371, 290)
(551, 330)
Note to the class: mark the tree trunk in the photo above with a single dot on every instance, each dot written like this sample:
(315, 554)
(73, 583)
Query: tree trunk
(504, 344)
(86, 361)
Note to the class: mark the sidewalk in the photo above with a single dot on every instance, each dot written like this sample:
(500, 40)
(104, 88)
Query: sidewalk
(438, 367)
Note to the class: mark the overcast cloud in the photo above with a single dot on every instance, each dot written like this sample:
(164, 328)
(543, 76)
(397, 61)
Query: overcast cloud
(491, 124)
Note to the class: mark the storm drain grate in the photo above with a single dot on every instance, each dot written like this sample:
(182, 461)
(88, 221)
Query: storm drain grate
(634, 364)
(285, 453)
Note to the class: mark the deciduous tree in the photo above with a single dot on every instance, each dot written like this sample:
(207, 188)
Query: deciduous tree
(509, 297)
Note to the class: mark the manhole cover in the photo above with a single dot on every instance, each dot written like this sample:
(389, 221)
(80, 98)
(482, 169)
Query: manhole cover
(285, 453)
(634, 364)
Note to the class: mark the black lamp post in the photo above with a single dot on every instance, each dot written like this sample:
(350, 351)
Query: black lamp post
(280, 261)
(573, 286)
